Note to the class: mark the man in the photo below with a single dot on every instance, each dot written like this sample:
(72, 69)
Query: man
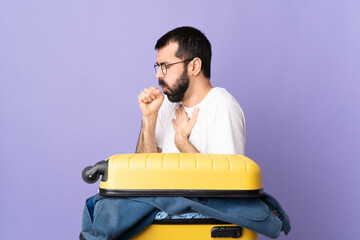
(193, 117)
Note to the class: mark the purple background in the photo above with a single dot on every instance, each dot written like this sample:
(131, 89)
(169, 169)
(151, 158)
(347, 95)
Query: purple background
(71, 71)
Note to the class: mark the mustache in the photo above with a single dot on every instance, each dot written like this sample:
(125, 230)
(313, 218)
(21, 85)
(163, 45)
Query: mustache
(163, 83)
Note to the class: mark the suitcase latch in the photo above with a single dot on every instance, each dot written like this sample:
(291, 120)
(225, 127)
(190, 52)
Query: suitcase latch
(226, 232)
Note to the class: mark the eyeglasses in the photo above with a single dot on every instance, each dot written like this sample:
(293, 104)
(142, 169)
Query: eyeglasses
(165, 66)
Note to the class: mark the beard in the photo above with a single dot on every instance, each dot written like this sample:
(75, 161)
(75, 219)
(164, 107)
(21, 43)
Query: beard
(177, 93)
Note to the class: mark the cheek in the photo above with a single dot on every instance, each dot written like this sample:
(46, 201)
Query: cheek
(170, 82)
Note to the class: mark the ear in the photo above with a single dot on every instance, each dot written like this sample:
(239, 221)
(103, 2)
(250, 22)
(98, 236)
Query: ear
(196, 66)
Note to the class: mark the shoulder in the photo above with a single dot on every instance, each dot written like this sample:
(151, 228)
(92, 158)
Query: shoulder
(226, 110)
(221, 98)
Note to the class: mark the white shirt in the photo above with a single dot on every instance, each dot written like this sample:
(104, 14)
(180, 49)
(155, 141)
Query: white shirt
(219, 128)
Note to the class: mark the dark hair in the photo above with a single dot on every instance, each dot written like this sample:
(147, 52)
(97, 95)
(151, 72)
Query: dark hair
(192, 43)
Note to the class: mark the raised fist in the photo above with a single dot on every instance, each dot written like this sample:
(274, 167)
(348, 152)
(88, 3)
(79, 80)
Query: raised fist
(150, 101)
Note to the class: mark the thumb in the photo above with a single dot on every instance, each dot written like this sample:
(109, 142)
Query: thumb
(155, 91)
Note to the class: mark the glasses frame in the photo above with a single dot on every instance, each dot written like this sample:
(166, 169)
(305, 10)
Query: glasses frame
(164, 66)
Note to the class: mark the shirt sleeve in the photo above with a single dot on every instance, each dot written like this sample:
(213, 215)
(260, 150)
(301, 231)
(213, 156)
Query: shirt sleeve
(228, 130)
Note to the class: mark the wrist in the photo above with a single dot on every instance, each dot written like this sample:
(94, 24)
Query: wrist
(150, 119)
(180, 140)
(149, 123)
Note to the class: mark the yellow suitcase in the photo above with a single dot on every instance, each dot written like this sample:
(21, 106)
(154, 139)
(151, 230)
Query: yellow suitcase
(180, 174)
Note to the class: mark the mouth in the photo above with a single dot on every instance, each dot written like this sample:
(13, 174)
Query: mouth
(163, 86)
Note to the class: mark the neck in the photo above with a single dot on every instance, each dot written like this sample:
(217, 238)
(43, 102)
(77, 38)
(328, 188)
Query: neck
(197, 91)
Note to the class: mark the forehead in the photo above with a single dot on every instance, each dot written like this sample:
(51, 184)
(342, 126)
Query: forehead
(167, 53)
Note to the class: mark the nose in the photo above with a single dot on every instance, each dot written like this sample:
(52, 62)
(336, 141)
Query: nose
(159, 73)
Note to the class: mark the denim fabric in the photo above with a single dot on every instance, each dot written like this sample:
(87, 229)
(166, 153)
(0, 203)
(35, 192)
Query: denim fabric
(117, 216)
(251, 213)
(273, 204)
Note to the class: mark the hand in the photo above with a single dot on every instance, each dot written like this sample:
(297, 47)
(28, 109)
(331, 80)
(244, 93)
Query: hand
(183, 125)
(150, 101)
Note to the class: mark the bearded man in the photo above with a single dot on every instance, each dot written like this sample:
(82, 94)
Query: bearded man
(194, 116)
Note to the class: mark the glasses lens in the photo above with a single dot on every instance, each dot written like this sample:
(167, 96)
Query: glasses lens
(163, 68)
(156, 67)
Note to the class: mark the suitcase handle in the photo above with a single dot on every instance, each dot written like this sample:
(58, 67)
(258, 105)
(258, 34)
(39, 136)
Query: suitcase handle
(226, 232)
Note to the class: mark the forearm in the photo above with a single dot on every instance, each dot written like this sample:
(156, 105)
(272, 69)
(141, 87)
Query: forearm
(146, 142)
(185, 146)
